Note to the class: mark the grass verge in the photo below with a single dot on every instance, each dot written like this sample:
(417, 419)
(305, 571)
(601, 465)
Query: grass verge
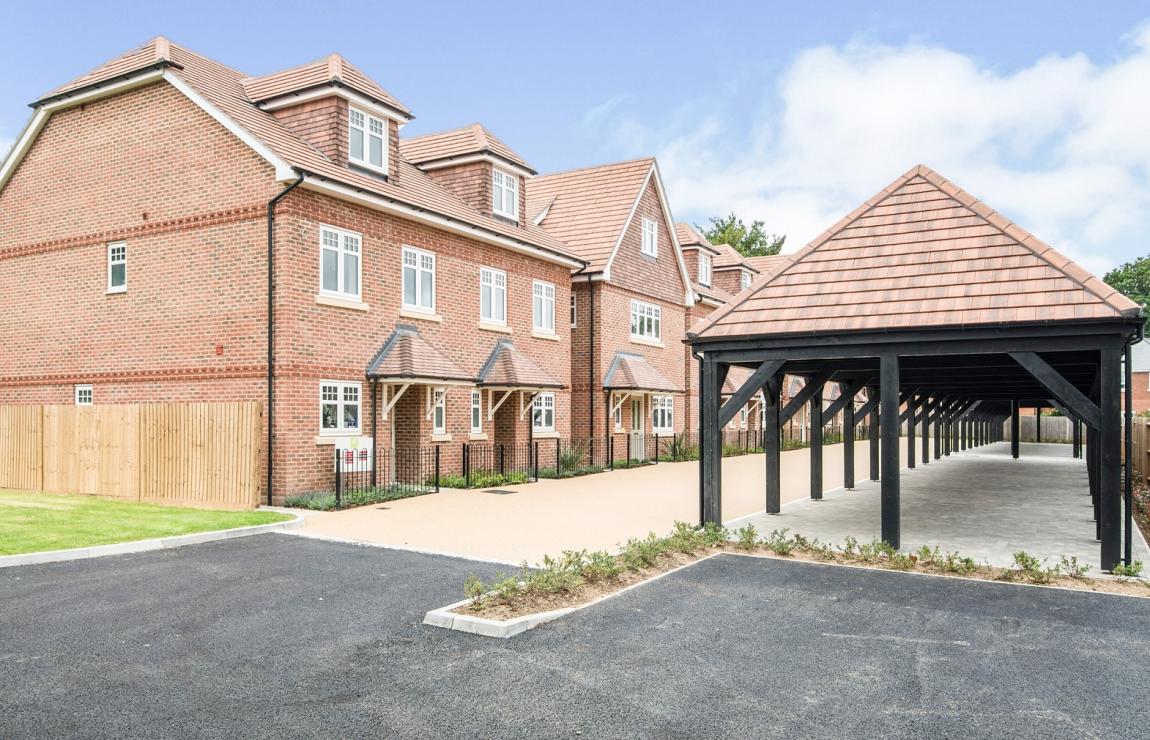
(37, 522)
(578, 577)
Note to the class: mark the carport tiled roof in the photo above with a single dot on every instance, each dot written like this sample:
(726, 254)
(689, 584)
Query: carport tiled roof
(473, 139)
(632, 372)
(408, 356)
(765, 264)
(508, 367)
(922, 253)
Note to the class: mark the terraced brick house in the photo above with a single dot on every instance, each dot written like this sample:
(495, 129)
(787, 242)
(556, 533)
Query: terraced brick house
(172, 229)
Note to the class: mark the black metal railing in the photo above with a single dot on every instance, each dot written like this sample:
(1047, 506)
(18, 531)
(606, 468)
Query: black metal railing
(392, 472)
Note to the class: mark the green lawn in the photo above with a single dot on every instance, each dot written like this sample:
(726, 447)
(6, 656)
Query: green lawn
(34, 522)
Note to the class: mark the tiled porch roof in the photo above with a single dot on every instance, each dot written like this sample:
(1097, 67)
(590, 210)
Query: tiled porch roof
(631, 372)
(508, 367)
(408, 356)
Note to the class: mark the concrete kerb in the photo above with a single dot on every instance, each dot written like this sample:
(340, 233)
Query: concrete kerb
(402, 548)
(160, 543)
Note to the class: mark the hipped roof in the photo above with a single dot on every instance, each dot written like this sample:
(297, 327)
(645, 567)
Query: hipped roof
(632, 372)
(460, 142)
(509, 367)
(408, 356)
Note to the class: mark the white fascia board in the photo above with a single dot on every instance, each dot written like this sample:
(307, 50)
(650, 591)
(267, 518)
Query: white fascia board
(412, 213)
(627, 225)
(689, 300)
(283, 170)
(495, 161)
(351, 96)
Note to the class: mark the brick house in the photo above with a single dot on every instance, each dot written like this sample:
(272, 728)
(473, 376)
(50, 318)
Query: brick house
(628, 308)
(174, 230)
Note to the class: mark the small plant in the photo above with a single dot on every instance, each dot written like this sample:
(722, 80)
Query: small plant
(642, 553)
(1071, 568)
(779, 543)
(1031, 568)
(475, 589)
(748, 537)
(927, 556)
(901, 560)
(952, 562)
(600, 566)
(686, 538)
(557, 574)
(1126, 572)
(714, 534)
(505, 588)
(850, 547)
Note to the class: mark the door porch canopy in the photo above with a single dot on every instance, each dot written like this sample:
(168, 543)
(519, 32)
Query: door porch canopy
(949, 316)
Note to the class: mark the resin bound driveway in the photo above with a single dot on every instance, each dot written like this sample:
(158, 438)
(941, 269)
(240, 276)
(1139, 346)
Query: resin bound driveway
(277, 636)
(594, 512)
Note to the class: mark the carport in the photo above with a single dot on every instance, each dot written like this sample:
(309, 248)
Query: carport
(952, 318)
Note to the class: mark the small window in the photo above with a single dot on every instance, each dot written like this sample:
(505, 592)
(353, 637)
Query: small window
(339, 262)
(646, 321)
(505, 194)
(476, 412)
(650, 238)
(543, 413)
(543, 307)
(367, 140)
(662, 414)
(744, 280)
(339, 407)
(492, 296)
(743, 417)
(574, 313)
(117, 267)
(82, 395)
(439, 411)
(618, 414)
(704, 268)
(418, 279)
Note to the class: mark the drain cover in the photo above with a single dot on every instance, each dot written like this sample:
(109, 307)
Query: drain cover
(499, 491)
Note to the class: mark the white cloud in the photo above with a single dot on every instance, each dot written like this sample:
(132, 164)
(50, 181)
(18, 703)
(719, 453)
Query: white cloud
(1060, 146)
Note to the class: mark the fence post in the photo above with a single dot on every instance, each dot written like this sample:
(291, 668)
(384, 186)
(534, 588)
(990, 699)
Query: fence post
(591, 453)
(656, 448)
(437, 468)
(338, 477)
(467, 465)
(501, 448)
(611, 452)
(558, 463)
(536, 463)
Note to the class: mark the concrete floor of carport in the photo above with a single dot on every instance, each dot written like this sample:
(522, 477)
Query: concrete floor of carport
(980, 503)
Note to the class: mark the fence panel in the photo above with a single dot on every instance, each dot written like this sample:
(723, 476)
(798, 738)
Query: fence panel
(21, 434)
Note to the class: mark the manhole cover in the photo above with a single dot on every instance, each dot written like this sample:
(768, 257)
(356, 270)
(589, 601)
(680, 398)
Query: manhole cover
(499, 491)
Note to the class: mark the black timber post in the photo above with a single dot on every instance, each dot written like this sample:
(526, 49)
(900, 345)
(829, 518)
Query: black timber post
(1038, 424)
(849, 444)
(772, 445)
(817, 444)
(888, 394)
(926, 406)
(1076, 437)
(711, 443)
(873, 433)
(1015, 429)
(910, 406)
(1110, 450)
(1128, 455)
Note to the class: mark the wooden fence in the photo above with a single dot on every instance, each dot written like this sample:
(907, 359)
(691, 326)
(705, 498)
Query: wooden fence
(187, 454)
(1140, 459)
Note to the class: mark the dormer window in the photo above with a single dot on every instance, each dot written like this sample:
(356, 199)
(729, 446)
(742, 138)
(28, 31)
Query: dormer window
(367, 140)
(650, 238)
(505, 194)
(704, 269)
(744, 280)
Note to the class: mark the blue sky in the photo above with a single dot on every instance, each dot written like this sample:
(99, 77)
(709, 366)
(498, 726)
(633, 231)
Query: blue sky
(788, 112)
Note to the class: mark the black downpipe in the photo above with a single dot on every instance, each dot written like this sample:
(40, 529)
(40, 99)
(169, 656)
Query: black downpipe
(591, 347)
(271, 321)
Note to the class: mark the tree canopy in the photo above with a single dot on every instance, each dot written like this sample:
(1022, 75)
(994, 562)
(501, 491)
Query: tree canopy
(749, 242)
(1132, 280)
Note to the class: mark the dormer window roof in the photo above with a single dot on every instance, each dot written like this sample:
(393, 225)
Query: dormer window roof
(331, 75)
(472, 143)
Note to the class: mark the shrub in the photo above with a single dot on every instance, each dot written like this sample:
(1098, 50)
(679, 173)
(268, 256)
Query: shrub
(686, 538)
(952, 562)
(926, 556)
(1071, 567)
(600, 566)
(325, 500)
(474, 589)
(642, 553)
(1031, 568)
(850, 547)
(715, 534)
(779, 543)
(562, 574)
(1125, 572)
(748, 537)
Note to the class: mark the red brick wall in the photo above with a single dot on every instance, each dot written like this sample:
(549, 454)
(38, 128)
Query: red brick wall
(1140, 398)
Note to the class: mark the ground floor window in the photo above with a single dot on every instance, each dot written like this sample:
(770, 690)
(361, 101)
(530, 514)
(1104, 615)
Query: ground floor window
(663, 414)
(83, 395)
(743, 417)
(476, 412)
(339, 406)
(618, 413)
(543, 413)
(439, 411)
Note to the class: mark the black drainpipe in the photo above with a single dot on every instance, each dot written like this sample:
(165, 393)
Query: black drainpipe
(591, 372)
(271, 319)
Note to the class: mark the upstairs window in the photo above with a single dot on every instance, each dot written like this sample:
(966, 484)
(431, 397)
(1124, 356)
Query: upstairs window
(339, 407)
(574, 312)
(367, 140)
(704, 269)
(505, 194)
(418, 279)
(82, 394)
(492, 296)
(646, 321)
(543, 307)
(650, 238)
(339, 252)
(744, 280)
(117, 267)
(543, 413)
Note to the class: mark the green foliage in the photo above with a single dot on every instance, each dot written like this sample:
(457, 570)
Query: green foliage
(927, 556)
(779, 543)
(748, 537)
(955, 563)
(474, 588)
(483, 479)
(1124, 571)
(714, 534)
(643, 553)
(749, 242)
(601, 566)
(1072, 568)
(686, 538)
(564, 573)
(325, 500)
(1031, 568)
(1132, 280)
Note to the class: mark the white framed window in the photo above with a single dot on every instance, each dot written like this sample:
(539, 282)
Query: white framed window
(543, 412)
(650, 238)
(704, 268)
(505, 194)
(439, 411)
(338, 407)
(82, 394)
(662, 414)
(117, 267)
(744, 280)
(418, 279)
(646, 321)
(618, 414)
(743, 417)
(492, 296)
(367, 140)
(339, 262)
(476, 412)
(543, 307)
(574, 312)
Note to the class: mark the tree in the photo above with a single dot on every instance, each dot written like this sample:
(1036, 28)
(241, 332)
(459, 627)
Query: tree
(752, 242)
(1132, 280)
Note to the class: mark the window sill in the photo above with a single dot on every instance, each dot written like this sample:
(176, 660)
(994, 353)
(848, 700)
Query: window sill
(646, 342)
(441, 438)
(649, 257)
(486, 326)
(477, 437)
(327, 300)
(411, 313)
(548, 335)
(331, 439)
(115, 291)
(545, 435)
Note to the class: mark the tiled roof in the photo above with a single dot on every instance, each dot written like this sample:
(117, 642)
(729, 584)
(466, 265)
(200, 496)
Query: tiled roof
(689, 236)
(332, 68)
(922, 253)
(710, 291)
(460, 142)
(153, 52)
(736, 376)
(510, 368)
(765, 264)
(729, 258)
(408, 356)
(589, 207)
(631, 372)
(223, 87)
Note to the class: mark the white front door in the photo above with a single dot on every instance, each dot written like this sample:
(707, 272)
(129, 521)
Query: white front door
(638, 425)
